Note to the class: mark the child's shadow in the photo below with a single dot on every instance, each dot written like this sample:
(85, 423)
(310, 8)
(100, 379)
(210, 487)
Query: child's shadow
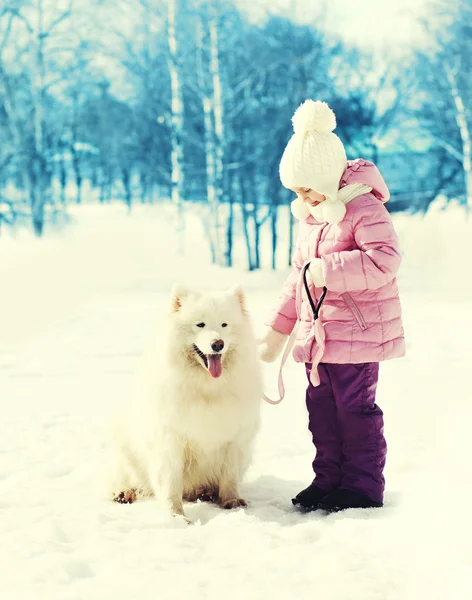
(270, 501)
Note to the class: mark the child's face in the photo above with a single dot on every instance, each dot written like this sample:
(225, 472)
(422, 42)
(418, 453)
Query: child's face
(309, 196)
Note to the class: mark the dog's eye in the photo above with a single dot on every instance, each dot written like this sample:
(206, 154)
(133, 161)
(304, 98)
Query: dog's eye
(224, 324)
(200, 324)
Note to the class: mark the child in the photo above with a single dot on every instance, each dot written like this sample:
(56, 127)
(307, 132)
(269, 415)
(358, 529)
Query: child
(349, 247)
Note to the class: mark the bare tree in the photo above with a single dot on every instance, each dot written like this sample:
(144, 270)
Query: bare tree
(142, 53)
(38, 36)
(446, 85)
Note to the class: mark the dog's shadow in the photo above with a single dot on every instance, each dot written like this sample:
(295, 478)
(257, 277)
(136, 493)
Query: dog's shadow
(269, 501)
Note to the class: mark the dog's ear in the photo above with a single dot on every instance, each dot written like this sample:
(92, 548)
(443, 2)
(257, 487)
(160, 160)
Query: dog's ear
(237, 290)
(179, 293)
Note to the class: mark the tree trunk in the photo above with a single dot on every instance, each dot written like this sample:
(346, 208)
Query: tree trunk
(275, 198)
(229, 230)
(177, 122)
(39, 166)
(468, 191)
(126, 179)
(229, 235)
(36, 197)
(213, 132)
(247, 237)
(290, 236)
(102, 186)
(218, 120)
(274, 213)
(246, 217)
(212, 198)
(144, 184)
(461, 120)
(257, 241)
(63, 180)
(77, 176)
(251, 194)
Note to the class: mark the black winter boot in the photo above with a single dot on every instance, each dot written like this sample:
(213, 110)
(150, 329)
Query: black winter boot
(343, 499)
(309, 498)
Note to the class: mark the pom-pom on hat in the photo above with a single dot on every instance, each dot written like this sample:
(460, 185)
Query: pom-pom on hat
(315, 157)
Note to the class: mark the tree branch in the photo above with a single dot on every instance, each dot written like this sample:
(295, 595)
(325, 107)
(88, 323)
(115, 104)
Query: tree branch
(65, 15)
(7, 33)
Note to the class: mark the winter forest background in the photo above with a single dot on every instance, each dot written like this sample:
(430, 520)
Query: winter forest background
(188, 103)
(140, 142)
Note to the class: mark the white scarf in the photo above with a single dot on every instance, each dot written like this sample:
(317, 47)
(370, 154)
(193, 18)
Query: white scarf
(331, 211)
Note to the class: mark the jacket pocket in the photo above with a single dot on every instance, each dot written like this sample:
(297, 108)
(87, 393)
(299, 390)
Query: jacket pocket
(355, 311)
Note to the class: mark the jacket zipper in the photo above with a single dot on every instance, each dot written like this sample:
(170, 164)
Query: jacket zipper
(356, 312)
(320, 235)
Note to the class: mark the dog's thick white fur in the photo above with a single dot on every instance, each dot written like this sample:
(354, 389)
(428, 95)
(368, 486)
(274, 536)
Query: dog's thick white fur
(189, 429)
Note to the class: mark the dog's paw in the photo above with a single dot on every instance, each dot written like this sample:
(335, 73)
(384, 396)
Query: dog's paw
(125, 497)
(208, 496)
(233, 503)
(203, 494)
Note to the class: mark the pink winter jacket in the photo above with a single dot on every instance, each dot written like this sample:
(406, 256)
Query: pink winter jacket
(360, 319)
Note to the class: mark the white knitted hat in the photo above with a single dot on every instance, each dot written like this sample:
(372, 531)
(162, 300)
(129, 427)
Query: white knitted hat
(315, 157)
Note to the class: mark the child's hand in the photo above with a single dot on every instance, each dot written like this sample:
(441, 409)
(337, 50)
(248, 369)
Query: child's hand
(316, 272)
(272, 345)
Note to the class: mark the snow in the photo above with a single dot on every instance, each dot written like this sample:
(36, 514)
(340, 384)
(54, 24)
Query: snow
(75, 312)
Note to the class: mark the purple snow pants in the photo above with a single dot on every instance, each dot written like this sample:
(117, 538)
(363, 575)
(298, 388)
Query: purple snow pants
(347, 429)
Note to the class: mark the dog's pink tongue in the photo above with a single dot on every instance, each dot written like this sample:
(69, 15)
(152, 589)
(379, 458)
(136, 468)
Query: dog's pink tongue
(214, 365)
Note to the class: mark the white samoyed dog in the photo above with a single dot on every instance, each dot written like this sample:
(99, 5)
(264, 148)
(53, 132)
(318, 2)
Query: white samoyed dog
(188, 431)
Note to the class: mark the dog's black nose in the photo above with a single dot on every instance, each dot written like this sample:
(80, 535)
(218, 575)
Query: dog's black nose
(217, 345)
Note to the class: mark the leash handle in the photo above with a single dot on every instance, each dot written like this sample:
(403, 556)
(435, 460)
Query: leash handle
(288, 349)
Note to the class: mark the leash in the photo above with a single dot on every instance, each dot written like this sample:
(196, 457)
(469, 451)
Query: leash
(315, 307)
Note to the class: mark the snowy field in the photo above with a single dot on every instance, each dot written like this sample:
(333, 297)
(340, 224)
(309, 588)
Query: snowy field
(76, 309)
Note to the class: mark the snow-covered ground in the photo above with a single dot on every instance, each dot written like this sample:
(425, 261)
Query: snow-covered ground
(76, 310)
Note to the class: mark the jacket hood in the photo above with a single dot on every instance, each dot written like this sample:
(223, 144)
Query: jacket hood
(364, 171)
